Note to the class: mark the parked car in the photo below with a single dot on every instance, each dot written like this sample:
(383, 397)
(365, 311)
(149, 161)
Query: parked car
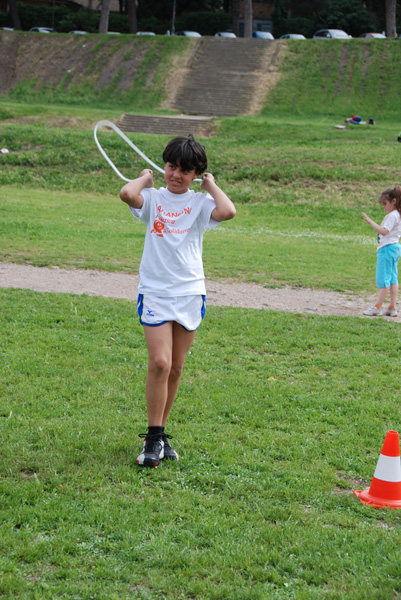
(373, 35)
(226, 34)
(79, 32)
(331, 34)
(7, 28)
(114, 32)
(262, 35)
(292, 36)
(145, 33)
(188, 33)
(43, 29)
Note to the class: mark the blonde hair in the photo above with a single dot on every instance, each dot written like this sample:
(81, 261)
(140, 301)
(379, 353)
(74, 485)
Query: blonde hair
(392, 194)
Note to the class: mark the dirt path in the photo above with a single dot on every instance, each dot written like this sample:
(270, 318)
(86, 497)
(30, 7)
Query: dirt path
(220, 293)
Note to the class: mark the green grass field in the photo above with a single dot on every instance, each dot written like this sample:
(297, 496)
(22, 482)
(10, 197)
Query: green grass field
(279, 417)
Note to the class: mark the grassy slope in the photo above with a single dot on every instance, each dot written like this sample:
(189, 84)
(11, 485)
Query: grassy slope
(355, 76)
(92, 71)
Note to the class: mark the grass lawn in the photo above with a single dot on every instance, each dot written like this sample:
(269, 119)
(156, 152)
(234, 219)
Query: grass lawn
(279, 418)
(299, 199)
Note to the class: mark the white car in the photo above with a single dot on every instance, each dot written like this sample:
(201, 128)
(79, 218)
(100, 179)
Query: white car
(262, 35)
(188, 33)
(79, 32)
(292, 36)
(331, 34)
(227, 34)
(145, 33)
(42, 29)
(373, 35)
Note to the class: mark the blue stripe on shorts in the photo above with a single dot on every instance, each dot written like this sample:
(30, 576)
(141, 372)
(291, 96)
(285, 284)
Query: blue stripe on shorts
(173, 316)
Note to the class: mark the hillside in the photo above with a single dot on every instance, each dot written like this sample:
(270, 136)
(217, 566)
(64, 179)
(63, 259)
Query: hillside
(97, 70)
(157, 74)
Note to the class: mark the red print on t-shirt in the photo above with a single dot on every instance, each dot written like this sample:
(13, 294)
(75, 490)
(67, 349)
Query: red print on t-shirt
(158, 228)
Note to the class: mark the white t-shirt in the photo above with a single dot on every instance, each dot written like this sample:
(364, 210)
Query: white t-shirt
(392, 222)
(171, 262)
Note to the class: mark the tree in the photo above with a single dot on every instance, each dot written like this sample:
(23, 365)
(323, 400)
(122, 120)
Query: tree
(104, 17)
(131, 11)
(248, 17)
(235, 16)
(391, 7)
(14, 14)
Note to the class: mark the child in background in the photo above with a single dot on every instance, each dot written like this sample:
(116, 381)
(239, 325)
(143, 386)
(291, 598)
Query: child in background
(172, 294)
(388, 252)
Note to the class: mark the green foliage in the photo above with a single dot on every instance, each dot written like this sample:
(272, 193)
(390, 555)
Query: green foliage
(204, 22)
(205, 17)
(292, 16)
(350, 16)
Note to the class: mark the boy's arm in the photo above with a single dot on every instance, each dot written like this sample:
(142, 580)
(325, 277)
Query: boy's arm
(375, 226)
(225, 209)
(131, 192)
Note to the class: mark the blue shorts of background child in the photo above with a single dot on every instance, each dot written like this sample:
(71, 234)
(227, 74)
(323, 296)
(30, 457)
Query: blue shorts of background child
(388, 252)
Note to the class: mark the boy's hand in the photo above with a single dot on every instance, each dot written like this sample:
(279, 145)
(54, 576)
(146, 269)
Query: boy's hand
(207, 181)
(147, 174)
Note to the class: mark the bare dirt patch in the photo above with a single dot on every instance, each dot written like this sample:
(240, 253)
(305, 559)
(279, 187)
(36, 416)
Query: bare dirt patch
(220, 293)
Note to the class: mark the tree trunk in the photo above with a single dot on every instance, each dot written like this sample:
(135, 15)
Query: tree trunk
(104, 17)
(235, 16)
(248, 16)
(14, 14)
(391, 7)
(131, 10)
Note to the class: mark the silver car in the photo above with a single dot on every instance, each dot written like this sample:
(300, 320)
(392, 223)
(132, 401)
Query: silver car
(292, 36)
(331, 34)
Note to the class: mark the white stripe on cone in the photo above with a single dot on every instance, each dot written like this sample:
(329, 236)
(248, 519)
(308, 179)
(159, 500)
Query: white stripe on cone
(388, 468)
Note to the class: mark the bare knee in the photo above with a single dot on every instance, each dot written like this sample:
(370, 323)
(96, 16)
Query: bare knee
(176, 371)
(160, 365)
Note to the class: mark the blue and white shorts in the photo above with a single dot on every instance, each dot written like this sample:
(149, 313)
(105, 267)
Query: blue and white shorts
(188, 311)
(387, 265)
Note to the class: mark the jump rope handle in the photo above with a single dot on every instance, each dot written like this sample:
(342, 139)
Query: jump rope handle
(122, 135)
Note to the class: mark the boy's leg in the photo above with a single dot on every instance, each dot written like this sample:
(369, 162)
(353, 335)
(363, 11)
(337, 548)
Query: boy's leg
(159, 341)
(182, 341)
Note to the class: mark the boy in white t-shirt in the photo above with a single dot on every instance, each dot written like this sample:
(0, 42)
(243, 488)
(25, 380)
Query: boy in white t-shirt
(172, 294)
(388, 252)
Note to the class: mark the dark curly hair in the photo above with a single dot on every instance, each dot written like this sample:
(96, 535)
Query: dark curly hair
(186, 151)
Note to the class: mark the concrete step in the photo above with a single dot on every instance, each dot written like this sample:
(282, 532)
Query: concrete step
(168, 125)
(224, 75)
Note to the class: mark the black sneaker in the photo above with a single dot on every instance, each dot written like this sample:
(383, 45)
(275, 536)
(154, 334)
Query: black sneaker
(152, 451)
(169, 453)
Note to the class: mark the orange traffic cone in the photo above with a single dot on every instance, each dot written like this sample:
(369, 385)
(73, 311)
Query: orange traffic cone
(385, 489)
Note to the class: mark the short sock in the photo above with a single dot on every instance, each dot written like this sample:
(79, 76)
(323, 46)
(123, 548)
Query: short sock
(378, 305)
(391, 306)
(155, 430)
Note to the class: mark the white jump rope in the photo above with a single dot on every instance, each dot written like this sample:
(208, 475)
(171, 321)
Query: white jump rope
(128, 141)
